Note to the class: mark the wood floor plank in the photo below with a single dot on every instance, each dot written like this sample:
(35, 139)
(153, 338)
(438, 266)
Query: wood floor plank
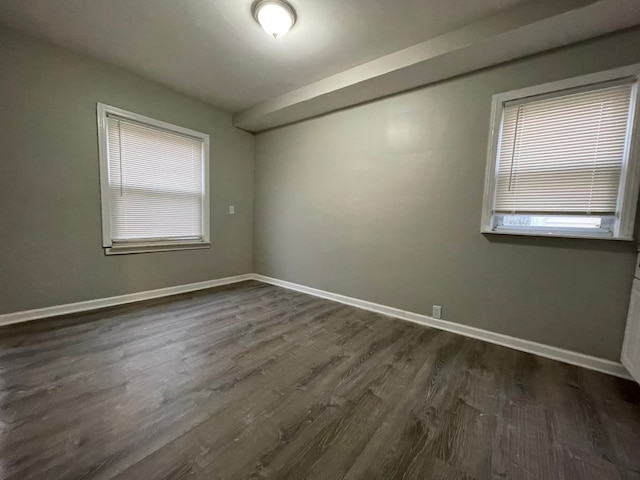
(255, 381)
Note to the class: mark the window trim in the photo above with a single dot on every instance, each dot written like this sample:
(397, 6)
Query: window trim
(630, 175)
(103, 153)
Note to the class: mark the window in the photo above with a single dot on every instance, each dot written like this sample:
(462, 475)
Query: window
(154, 184)
(561, 158)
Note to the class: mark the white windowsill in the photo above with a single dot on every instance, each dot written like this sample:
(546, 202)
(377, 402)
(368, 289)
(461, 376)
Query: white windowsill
(530, 233)
(157, 247)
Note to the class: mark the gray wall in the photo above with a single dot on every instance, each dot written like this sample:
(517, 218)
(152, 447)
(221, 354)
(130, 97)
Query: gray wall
(382, 202)
(50, 240)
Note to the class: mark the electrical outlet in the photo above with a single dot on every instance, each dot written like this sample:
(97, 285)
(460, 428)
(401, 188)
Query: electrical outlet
(437, 311)
(232, 210)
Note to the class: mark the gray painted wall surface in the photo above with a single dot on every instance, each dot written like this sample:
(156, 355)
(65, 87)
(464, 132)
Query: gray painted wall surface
(50, 238)
(382, 202)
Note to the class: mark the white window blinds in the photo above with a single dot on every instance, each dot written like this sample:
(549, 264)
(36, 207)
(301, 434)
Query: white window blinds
(563, 154)
(156, 184)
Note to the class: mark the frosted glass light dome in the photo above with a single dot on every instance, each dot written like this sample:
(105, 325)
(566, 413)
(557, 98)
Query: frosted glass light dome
(275, 17)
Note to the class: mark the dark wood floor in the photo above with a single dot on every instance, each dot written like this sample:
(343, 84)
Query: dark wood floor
(253, 381)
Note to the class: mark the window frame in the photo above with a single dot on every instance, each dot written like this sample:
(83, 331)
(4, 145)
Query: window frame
(629, 177)
(110, 248)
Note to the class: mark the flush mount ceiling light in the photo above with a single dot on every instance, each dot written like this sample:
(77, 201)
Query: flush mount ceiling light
(276, 17)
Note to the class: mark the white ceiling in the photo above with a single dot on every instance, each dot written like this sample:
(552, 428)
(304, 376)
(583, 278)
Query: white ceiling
(517, 32)
(214, 50)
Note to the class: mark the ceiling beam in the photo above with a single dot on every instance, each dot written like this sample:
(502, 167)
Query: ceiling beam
(520, 31)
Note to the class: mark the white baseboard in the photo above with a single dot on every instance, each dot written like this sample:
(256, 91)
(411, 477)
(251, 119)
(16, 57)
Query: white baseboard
(547, 351)
(26, 315)
(567, 356)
